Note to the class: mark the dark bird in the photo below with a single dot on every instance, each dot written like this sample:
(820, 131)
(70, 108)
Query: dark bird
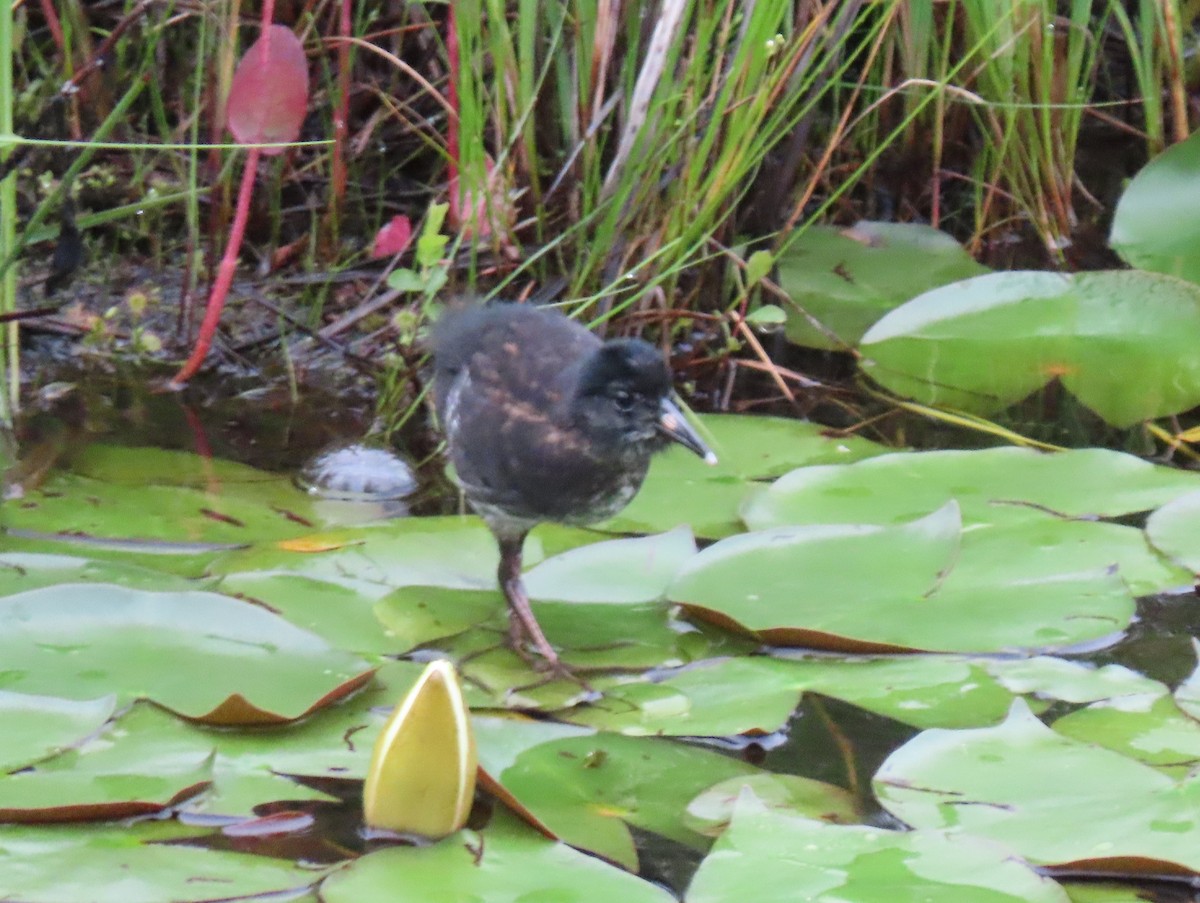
(544, 422)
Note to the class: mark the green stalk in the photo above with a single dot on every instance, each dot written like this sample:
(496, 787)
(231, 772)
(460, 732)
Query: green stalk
(9, 359)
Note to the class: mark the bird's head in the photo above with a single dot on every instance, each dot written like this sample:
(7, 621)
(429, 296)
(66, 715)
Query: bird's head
(625, 405)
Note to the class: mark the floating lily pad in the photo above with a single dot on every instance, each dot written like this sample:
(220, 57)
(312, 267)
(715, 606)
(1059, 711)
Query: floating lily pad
(1051, 799)
(779, 583)
(1155, 226)
(1071, 681)
(786, 857)
(36, 727)
(505, 861)
(203, 655)
(849, 278)
(1096, 892)
(682, 489)
(125, 561)
(711, 812)
(1002, 589)
(101, 782)
(620, 571)
(254, 768)
(991, 486)
(755, 695)
(585, 787)
(69, 504)
(455, 552)
(1159, 735)
(1187, 694)
(337, 613)
(1119, 341)
(114, 865)
(1174, 529)
(20, 571)
(141, 465)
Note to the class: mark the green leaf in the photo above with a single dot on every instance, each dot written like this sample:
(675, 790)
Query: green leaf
(405, 280)
(432, 244)
(1160, 735)
(1156, 225)
(1119, 341)
(1028, 584)
(103, 781)
(766, 316)
(992, 486)
(1053, 800)
(1174, 529)
(758, 265)
(754, 580)
(114, 865)
(586, 788)
(36, 727)
(505, 861)
(203, 655)
(682, 489)
(785, 857)
(620, 571)
(848, 278)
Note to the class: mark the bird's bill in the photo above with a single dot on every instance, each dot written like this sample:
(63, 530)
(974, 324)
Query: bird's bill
(673, 425)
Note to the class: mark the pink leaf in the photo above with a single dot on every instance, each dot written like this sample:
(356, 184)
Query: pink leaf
(392, 238)
(269, 94)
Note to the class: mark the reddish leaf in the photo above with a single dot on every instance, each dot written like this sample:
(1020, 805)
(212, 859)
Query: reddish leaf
(269, 94)
(393, 238)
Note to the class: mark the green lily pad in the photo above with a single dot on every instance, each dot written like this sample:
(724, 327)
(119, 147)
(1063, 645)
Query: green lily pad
(621, 571)
(755, 695)
(991, 486)
(36, 727)
(1005, 588)
(335, 612)
(682, 489)
(1051, 799)
(848, 278)
(1174, 529)
(235, 513)
(137, 466)
(1159, 735)
(506, 861)
(777, 583)
(786, 857)
(598, 603)
(1155, 226)
(20, 571)
(374, 560)
(204, 655)
(1187, 694)
(114, 865)
(585, 787)
(122, 560)
(1070, 681)
(1094, 892)
(1119, 341)
(100, 781)
(711, 812)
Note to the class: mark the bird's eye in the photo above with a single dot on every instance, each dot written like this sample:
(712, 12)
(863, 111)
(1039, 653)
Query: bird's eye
(623, 401)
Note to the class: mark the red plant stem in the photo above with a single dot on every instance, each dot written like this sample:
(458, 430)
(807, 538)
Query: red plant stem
(225, 271)
(55, 26)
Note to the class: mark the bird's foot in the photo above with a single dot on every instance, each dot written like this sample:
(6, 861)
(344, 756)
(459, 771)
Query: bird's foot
(543, 657)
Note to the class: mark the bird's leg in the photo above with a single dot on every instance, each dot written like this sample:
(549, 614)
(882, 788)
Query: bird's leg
(522, 624)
